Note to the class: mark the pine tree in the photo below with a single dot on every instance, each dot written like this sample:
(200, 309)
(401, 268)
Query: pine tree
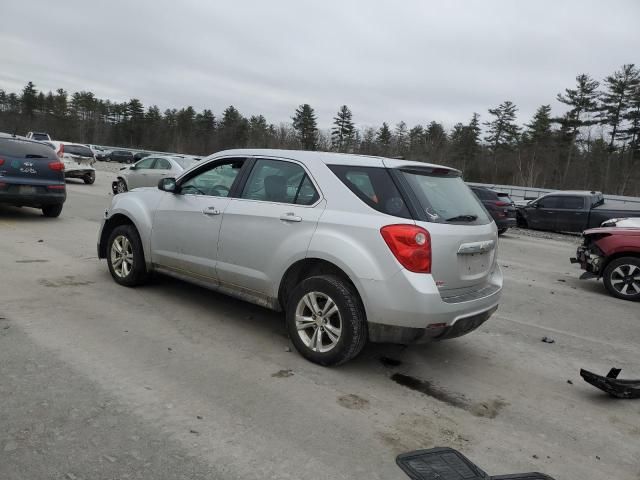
(343, 131)
(383, 139)
(29, 100)
(502, 132)
(582, 101)
(401, 140)
(537, 138)
(614, 105)
(304, 123)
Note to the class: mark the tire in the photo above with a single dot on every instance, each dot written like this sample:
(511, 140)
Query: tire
(132, 270)
(349, 319)
(52, 211)
(502, 231)
(89, 178)
(121, 186)
(622, 277)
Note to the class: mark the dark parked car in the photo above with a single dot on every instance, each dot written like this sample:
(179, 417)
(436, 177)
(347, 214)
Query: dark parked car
(31, 175)
(140, 155)
(499, 205)
(613, 254)
(122, 156)
(572, 211)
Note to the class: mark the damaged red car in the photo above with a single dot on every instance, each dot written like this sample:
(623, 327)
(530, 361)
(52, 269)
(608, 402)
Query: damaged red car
(613, 254)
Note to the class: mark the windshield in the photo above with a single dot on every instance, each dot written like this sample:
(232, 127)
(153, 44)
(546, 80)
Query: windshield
(184, 162)
(445, 198)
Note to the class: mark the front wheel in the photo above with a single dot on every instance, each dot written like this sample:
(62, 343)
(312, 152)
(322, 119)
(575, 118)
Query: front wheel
(622, 278)
(502, 231)
(121, 186)
(326, 321)
(125, 256)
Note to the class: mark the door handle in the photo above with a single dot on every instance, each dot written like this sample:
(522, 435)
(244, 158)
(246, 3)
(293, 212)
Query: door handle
(290, 217)
(211, 211)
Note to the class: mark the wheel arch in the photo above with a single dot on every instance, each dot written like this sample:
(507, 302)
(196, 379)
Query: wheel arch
(616, 256)
(110, 224)
(308, 267)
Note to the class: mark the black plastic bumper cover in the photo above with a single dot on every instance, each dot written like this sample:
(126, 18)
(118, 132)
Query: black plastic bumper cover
(449, 464)
(612, 385)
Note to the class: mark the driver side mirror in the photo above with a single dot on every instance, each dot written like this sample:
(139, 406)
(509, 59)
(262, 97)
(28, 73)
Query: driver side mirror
(168, 185)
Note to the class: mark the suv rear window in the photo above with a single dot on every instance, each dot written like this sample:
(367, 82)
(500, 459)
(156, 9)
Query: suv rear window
(79, 150)
(40, 136)
(444, 197)
(374, 186)
(11, 147)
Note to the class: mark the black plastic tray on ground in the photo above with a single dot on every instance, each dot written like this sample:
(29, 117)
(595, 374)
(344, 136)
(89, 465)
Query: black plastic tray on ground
(449, 464)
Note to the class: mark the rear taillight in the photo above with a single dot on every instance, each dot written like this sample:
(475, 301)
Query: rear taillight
(1, 161)
(499, 203)
(57, 166)
(61, 151)
(56, 187)
(411, 245)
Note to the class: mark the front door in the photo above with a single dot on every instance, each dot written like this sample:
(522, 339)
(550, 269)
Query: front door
(269, 227)
(139, 172)
(186, 224)
(543, 215)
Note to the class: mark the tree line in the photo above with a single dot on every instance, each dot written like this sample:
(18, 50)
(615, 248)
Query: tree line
(594, 144)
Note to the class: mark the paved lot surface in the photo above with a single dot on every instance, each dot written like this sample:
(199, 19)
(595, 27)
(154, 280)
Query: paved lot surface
(171, 381)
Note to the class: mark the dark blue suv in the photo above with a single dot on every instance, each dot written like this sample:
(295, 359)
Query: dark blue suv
(31, 175)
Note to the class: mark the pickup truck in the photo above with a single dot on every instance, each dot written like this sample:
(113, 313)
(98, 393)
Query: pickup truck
(572, 211)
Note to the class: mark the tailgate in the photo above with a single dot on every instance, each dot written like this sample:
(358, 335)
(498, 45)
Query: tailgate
(463, 256)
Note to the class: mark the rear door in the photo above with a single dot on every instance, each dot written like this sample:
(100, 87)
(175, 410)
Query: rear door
(572, 214)
(269, 226)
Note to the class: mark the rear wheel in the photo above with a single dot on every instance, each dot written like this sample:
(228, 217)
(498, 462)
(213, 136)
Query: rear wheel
(52, 211)
(502, 231)
(622, 278)
(326, 321)
(89, 178)
(125, 256)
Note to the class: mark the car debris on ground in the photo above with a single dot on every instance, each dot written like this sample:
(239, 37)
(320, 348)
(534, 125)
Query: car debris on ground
(447, 463)
(612, 385)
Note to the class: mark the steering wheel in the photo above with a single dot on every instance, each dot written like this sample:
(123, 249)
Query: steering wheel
(217, 193)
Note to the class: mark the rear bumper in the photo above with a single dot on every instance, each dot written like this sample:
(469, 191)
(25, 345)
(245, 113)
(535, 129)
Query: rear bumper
(409, 308)
(35, 200)
(506, 222)
(79, 172)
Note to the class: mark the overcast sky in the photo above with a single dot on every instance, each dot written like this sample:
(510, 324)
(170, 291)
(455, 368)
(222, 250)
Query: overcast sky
(414, 60)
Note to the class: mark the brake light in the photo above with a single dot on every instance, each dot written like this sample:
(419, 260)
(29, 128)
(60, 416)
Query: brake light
(56, 187)
(1, 161)
(411, 245)
(57, 166)
(500, 203)
(61, 151)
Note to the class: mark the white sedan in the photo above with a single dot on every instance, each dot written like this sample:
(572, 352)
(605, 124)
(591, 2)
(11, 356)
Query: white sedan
(149, 171)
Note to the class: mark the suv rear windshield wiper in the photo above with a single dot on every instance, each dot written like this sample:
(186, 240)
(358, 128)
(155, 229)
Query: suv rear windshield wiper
(463, 218)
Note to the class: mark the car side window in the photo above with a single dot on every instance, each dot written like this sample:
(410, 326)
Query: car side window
(145, 163)
(571, 203)
(549, 202)
(215, 181)
(162, 164)
(279, 181)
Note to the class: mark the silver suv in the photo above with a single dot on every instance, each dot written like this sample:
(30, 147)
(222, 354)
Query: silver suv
(351, 248)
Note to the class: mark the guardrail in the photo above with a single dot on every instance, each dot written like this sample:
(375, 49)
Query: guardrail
(530, 193)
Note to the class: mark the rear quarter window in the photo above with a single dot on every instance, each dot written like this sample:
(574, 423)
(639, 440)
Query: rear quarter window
(373, 186)
(79, 150)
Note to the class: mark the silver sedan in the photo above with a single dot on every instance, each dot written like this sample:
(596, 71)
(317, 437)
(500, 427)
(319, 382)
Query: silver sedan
(149, 171)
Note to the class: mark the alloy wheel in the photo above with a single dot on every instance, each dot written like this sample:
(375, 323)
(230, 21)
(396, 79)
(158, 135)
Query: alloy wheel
(121, 256)
(626, 279)
(318, 322)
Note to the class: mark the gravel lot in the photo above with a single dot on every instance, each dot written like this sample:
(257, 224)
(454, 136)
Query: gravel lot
(171, 381)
